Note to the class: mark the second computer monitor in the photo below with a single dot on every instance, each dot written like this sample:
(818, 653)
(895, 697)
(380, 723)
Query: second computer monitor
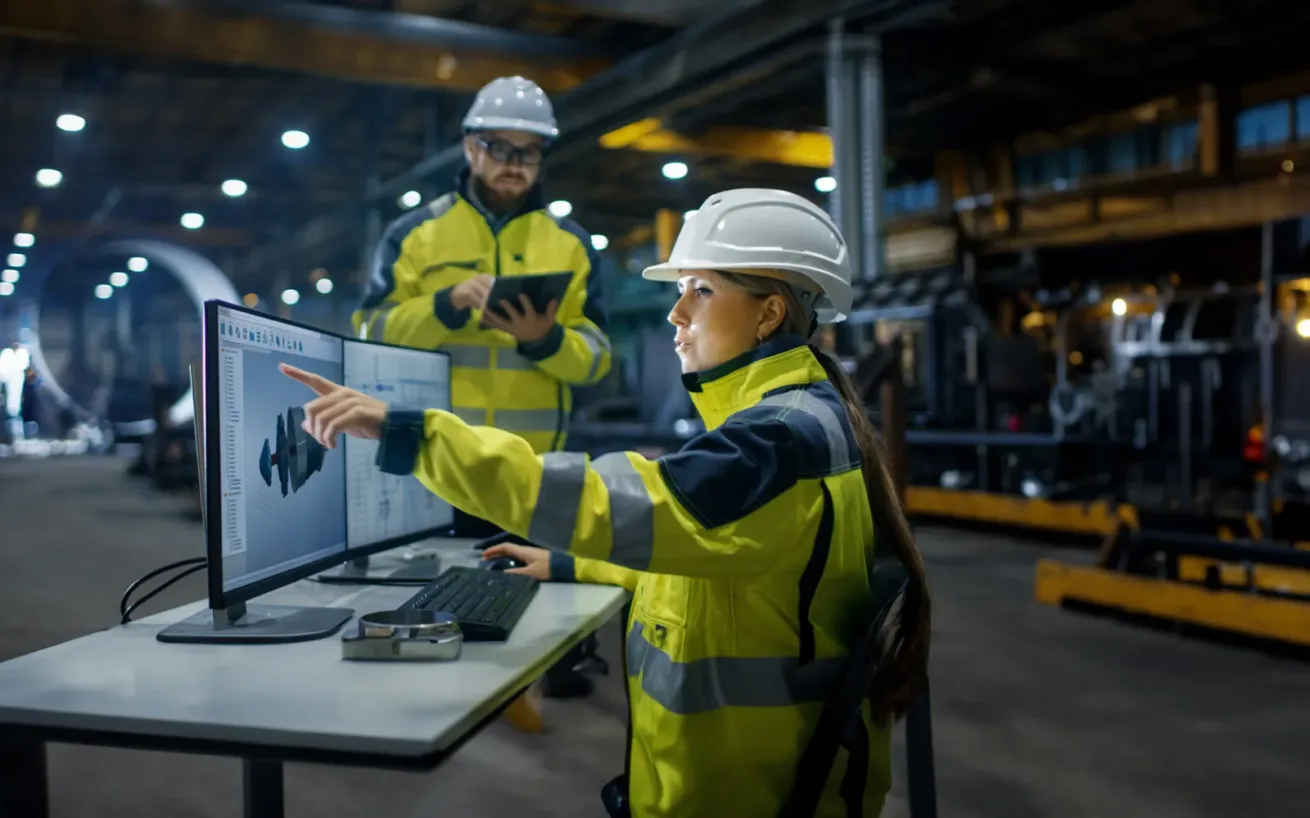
(383, 508)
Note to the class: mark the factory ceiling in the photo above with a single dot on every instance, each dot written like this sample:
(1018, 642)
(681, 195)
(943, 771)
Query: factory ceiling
(179, 96)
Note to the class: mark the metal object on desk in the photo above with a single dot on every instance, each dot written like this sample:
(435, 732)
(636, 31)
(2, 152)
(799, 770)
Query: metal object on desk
(404, 635)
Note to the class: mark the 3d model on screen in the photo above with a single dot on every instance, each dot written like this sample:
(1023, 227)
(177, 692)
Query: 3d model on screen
(297, 455)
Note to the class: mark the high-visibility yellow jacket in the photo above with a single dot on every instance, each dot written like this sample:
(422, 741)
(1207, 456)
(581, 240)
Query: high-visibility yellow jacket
(495, 381)
(753, 543)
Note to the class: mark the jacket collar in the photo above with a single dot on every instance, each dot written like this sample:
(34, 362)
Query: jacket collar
(720, 391)
(534, 199)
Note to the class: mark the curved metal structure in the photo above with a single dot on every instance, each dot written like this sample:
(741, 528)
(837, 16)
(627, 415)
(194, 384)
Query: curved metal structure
(197, 275)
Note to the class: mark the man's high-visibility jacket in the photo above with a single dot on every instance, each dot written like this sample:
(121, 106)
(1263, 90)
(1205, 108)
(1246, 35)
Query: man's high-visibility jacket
(753, 545)
(495, 381)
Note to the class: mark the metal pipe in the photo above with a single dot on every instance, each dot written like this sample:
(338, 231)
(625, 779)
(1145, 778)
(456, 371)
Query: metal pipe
(1185, 443)
(871, 142)
(837, 115)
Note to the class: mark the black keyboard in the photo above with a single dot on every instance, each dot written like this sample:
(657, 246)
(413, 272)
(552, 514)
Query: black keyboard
(488, 604)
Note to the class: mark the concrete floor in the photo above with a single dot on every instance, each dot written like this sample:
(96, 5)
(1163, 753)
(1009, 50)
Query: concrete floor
(1038, 712)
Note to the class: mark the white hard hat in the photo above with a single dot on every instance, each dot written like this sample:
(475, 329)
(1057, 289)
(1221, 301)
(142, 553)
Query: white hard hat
(512, 104)
(739, 231)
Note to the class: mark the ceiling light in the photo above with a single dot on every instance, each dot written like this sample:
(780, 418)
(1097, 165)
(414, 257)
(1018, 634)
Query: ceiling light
(323, 285)
(1303, 327)
(16, 260)
(825, 184)
(559, 208)
(290, 297)
(688, 215)
(103, 291)
(234, 188)
(49, 177)
(600, 242)
(411, 198)
(24, 239)
(1119, 306)
(295, 140)
(6, 288)
(137, 264)
(250, 300)
(193, 221)
(118, 279)
(9, 276)
(675, 170)
(70, 122)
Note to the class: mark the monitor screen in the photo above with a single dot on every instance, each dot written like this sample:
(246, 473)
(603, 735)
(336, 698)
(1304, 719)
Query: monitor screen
(383, 507)
(283, 503)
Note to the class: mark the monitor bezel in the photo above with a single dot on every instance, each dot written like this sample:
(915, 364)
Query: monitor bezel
(405, 539)
(220, 599)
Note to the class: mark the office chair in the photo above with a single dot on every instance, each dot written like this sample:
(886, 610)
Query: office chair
(840, 712)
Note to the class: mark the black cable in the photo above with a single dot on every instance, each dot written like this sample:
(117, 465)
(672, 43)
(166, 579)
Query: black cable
(192, 565)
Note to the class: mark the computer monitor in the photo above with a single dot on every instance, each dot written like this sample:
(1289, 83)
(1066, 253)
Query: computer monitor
(275, 499)
(385, 510)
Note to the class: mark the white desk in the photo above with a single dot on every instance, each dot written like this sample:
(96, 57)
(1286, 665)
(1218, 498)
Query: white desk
(267, 704)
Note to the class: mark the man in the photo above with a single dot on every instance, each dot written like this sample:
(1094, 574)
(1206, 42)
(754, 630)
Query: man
(434, 268)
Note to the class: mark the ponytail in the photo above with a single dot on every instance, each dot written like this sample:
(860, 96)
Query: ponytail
(903, 671)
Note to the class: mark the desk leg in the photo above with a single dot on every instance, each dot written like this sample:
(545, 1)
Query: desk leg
(23, 787)
(262, 783)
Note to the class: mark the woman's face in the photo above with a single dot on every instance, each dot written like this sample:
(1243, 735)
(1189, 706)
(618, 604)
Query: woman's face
(717, 320)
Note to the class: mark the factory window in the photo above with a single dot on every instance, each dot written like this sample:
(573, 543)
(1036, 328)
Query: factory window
(1303, 118)
(1264, 126)
(1180, 145)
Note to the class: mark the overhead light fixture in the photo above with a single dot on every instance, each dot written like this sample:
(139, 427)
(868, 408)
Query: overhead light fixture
(323, 285)
(6, 288)
(295, 140)
(118, 279)
(599, 242)
(70, 122)
(9, 276)
(290, 297)
(16, 260)
(49, 177)
(250, 300)
(24, 239)
(411, 198)
(137, 264)
(825, 184)
(1303, 327)
(675, 170)
(559, 208)
(193, 221)
(103, 291)
(688, 215)
(1119, 306)
(234, 188)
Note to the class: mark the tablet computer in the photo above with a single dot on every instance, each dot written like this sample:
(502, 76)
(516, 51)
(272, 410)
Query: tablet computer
(541, 289)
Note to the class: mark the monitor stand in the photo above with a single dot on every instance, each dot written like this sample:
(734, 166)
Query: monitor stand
(257, 624)
(413, 566)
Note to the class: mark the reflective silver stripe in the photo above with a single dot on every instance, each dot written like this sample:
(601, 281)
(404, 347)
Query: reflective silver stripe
(563, 478)
(511, 360)
(526, 420)
(473, 417)
(598, 345)
(468, 357)
(704, 685)
(632, 511)
(798, 400)
(374, 324)
(475, 357)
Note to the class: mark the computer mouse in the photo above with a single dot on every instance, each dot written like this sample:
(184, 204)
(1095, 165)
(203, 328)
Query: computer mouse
(501, 563)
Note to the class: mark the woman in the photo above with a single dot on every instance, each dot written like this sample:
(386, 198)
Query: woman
(752, 545)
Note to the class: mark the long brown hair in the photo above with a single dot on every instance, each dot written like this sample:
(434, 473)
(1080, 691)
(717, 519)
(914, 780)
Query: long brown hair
(903, 671)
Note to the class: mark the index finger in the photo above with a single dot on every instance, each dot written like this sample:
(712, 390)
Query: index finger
(318, 383)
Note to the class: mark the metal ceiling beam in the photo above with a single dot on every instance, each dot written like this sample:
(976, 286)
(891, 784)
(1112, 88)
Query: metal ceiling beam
(804, 149)
(358, 46)
(672, 13)
(722, 52)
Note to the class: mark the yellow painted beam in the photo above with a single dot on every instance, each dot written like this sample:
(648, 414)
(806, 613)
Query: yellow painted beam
(1264, 617)
(806, 149)
(1098, 518)
(177, 32)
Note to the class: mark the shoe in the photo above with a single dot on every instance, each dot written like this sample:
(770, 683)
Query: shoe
(567, 684)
